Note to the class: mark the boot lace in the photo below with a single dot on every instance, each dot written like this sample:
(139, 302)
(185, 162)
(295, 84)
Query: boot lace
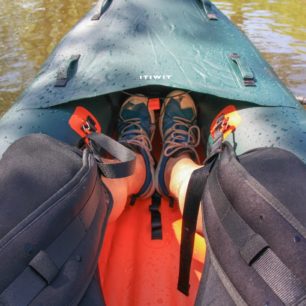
(175, 137)
(133, 133)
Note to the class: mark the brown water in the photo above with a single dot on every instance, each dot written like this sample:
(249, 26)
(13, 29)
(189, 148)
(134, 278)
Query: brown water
(30, 29)
(278, 30)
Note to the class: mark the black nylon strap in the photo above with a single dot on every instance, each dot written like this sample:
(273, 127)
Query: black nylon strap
(156, 224)
(282, 281)
(191, 209)
(100, 143)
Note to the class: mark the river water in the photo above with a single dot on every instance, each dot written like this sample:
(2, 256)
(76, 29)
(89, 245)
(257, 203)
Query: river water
(30, 29)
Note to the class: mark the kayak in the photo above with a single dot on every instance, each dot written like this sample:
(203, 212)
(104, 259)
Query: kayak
(121, 48)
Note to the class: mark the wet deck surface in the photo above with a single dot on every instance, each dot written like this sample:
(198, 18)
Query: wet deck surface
(30, 29)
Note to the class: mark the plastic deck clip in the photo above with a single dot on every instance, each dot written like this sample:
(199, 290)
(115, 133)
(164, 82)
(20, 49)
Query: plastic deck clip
(64, 72)
(244, 71)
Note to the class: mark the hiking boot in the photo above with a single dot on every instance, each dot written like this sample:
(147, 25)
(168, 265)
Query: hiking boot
(179, 133)
(136, 128)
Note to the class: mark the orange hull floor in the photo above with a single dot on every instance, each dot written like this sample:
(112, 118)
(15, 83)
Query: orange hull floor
(138, 271)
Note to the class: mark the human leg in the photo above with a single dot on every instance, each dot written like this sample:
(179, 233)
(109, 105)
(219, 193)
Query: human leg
(177, 175)
(136, 128)
(121, 189)
(180, 136)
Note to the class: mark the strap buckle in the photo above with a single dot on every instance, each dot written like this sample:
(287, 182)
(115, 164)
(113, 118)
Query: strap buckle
(220, 128)
(89, 126)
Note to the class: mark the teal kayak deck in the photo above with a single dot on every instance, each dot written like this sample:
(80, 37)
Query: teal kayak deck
(151, 47)
(171, 43)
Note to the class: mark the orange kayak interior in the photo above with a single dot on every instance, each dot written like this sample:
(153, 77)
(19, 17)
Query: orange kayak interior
(136, 270)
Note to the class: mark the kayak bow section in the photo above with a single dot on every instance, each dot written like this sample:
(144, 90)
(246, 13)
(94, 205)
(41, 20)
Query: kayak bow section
(121, 45)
